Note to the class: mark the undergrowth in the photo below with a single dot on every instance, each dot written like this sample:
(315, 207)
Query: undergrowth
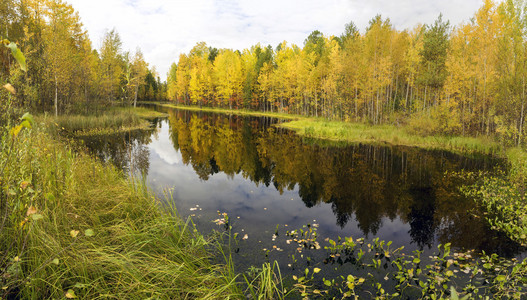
(74, 227)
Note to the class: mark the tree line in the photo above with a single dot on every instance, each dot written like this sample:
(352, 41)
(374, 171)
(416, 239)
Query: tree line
(436, 78)
(65, 72)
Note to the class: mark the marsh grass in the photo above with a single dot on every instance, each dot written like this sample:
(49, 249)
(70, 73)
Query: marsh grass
(78, 228)
(111, 120)
(142, 112)
(503, 196)
(387, 134)
(266, 282)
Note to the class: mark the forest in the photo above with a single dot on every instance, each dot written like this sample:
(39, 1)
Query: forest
(438, 78)
(65, 72)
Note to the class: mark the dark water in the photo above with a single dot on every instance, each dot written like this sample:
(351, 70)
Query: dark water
(266, 178)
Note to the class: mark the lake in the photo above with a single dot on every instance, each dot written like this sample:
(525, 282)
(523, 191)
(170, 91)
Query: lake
(270, 181)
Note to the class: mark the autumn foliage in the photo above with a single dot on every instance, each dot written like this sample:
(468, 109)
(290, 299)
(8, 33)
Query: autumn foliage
(439, 79)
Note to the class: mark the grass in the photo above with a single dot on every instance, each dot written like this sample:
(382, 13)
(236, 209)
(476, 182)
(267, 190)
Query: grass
(73, 227)
(113, 120)
(142, 112)
(387, 134)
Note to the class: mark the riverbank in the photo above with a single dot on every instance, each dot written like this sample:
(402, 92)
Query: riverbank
(340, 131)
(74, 227)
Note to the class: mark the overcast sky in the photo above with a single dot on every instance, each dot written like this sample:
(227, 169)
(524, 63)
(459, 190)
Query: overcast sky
(165, 28)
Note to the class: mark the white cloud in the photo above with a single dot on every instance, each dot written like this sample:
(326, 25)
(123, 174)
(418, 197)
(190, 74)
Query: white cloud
(163, 29)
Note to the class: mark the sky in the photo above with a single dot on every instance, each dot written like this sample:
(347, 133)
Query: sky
(164, 29)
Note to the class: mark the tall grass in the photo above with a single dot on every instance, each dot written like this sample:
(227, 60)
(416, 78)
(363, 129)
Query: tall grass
(111, 119)
(266, 283)
(78, 228)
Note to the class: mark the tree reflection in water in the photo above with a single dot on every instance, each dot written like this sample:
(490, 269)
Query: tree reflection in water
(364, 183)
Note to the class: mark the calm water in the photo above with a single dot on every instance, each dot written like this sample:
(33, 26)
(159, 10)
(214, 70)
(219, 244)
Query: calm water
(267, 178)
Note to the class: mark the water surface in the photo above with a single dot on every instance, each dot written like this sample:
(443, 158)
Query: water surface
(266, 178)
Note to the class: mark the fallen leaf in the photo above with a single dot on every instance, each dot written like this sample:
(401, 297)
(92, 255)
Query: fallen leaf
(70, 294)
(31, 210)
(10, 88)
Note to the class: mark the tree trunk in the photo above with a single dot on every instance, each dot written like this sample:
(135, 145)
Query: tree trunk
(135, 96)
(56, 97)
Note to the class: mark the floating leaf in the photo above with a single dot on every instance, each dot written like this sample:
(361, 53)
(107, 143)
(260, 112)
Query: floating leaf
(316, 270)
(88, 232)
(70, 294)
(74, 233)
(361, 280)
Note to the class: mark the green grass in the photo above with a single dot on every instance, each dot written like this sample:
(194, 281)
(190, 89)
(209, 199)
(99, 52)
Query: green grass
(388, 134)
(70, 225)
(142, 112)
(111, 120)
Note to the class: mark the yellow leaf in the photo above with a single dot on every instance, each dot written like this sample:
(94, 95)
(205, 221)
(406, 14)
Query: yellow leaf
(10, 88)
(316, 270)
(31, 210)
(74, 233)
(24, 184)
(361, 280)
(15, 130)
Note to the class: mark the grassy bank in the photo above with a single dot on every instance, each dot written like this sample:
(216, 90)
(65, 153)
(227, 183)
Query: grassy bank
(142, 112)
(73, 227)
(340, 131)
(111, 120)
